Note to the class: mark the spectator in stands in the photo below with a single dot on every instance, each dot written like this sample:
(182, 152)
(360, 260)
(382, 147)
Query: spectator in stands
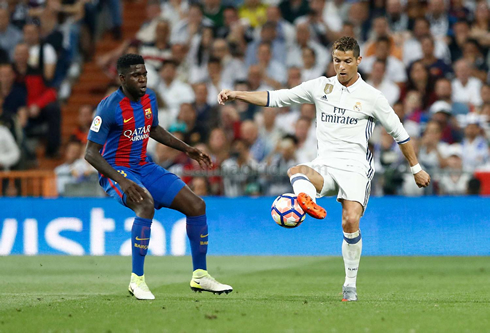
(158, 50)
(294, 77)
(395, 70)
(234, 68)
(440, 22)
(466, 89)
(200, 186)
(42, 56)
(42, 105)
(292, 9)
(274, 73)
(216, 81)
(285, 31)
(207, 115)
(238, 170)
(472, 53)
(433, 152)
(485, 93)
(461, 34)
(213, 10)
(231, 22)
(443, 91)
(254, 11)
(245, 110)
(268, 129)
(185, 29)
(481, 25)
(303, 40)
(199, 55)
(9, 151)
(218, 146)
(485, 119)
(256, 80)
(249, 133)
(74, 170)
(174, 11)
(9, 36)
(195, 132)
(173, 91)
(13, 94)
(474, 144)
(85, 116)
(378, 80)
(397, 19)
(305, 151)
(230, 122)
(107, 62)
(268, 34)
(357, 15)
(442, 113)
(147, 31)
(412, 48)
(437, 67)
(276, 180)
(412, 127)
(454, 181)
(381, 28)
(387, 159)
(179, 55)
(323, 26)
(311, 70)
(420, 80)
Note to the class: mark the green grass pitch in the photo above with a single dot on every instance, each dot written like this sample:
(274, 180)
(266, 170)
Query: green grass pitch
(272, 294)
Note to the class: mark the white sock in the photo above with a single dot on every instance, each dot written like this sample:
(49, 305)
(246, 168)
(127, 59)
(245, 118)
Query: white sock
(351, 252)
(302, 184)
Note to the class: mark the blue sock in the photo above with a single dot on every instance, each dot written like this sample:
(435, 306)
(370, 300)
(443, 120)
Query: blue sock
(140, 239)
(197, 231)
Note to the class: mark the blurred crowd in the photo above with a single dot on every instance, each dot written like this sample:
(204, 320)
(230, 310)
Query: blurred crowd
(430, 59)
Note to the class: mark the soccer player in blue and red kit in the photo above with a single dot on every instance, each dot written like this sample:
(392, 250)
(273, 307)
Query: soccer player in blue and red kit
(116, 147)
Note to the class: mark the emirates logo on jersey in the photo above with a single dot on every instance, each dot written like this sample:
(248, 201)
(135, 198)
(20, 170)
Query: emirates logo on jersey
(138, 134)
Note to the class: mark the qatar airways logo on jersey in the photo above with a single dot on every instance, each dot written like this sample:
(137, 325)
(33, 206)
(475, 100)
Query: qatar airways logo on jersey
(138, 134)
(338, 117)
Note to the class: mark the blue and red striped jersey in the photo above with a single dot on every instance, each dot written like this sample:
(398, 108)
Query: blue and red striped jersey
(123, 127)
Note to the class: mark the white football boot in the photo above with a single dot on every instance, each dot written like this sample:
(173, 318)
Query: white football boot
(138, 288)
(202, 281)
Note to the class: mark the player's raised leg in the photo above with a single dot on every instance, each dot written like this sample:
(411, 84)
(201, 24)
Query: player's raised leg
(140, 240)
(194, 208)
(351, 247)
(306, 183)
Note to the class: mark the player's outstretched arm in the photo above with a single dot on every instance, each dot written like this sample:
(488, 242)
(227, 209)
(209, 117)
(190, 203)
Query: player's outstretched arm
(253, 97)
(161, 135)
(93, 156)
(422, 178)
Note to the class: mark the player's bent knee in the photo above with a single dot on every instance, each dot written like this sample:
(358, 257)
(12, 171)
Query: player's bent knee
(350, 222)
(197, 207)
(294, 170)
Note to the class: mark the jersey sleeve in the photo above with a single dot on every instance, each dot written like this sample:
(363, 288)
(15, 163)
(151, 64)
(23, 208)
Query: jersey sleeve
(301, 94)
(102, 123)
(390, 121)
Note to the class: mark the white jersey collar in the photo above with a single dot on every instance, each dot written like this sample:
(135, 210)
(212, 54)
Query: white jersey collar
(352, 88)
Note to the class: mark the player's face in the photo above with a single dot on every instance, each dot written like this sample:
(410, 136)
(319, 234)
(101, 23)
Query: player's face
(134, 80)
(345, 65)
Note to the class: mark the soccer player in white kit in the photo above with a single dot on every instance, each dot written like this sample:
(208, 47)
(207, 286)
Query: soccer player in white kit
(346, 109)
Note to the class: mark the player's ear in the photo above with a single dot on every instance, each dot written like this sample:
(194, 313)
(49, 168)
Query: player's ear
(359, 60)
(122, 77)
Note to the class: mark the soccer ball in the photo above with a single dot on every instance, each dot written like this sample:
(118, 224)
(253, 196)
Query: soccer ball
(286, 211)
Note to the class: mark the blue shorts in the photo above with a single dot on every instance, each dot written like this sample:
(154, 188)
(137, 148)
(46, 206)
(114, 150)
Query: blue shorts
(162, 185)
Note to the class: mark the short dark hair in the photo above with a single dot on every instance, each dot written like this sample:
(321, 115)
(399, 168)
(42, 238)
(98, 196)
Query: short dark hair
(384, 39)
(291, 137)
(169, 61)
(128, 60)
(345, 44)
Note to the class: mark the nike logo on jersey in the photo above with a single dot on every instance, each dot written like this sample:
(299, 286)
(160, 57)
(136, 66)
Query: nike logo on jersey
(204, 236)
(126, 120)
(140, 239)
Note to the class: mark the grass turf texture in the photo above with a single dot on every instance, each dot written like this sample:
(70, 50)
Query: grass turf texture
(272, 294)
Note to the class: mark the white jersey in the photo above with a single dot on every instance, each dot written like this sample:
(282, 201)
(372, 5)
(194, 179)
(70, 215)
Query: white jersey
(345, 119)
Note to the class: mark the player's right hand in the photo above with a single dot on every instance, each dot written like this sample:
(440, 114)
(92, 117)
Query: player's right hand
(422, 178)
(133, 191)
(226, 95)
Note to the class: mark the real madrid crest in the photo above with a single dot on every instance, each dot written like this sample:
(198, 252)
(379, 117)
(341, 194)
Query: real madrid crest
(328, 88)
(148, 113)
(358, 107)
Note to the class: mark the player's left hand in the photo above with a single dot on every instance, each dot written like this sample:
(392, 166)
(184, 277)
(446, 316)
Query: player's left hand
(202, 158)
(422, 178)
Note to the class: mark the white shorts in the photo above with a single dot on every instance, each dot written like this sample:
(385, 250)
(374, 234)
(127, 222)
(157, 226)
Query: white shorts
(348, 185)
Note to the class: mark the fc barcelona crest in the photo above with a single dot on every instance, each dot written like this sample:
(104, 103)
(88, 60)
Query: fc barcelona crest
(148, 113)
(328, 88)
